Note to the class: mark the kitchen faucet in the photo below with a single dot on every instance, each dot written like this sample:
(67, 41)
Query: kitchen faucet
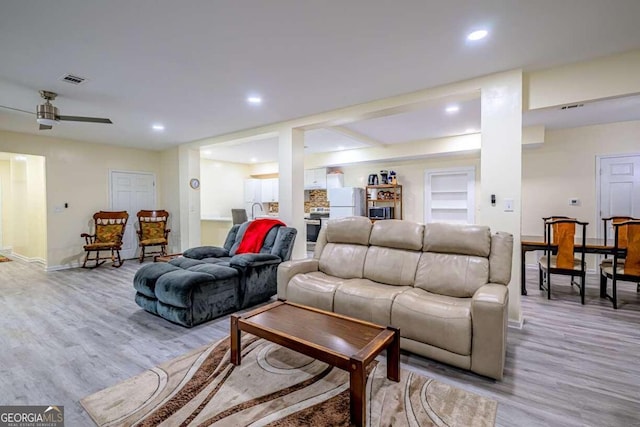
(252, 206)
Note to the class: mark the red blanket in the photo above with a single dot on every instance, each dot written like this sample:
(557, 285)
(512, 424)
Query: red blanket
(253, 238)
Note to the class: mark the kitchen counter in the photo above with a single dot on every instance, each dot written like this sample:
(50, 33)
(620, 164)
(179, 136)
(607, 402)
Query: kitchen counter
(216, 218)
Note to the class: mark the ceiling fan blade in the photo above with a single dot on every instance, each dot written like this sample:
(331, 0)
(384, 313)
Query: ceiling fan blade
(45, 127)
(16, 109)
(84, 119)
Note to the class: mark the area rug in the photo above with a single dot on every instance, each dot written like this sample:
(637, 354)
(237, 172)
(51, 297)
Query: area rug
(4, 259)
(275, 386)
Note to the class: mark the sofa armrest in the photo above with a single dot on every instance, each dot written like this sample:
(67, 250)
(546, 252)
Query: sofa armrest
(288, 269)
(489, 315)
(202, 252)
(253, 260)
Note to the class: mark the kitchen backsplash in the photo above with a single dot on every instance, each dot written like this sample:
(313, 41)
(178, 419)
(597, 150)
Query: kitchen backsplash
(317, 199)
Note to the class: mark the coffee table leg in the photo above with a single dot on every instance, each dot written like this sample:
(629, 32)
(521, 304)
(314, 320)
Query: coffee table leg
(236, 351)
(393, 356)
(357, 393)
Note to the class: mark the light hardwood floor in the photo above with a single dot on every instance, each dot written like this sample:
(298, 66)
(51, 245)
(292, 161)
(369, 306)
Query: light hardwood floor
(67, 334)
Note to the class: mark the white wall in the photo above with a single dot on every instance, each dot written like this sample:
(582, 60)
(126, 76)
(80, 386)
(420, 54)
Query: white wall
(565, 167)
(221, 187)
(77, 173)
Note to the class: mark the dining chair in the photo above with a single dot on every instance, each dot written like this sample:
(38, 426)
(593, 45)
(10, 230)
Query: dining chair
(108, 231)
(626, 258)
(152, 231)
(608, 225)
(560, 237)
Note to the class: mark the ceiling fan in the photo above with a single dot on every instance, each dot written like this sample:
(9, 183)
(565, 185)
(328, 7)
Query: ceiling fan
(47, 114)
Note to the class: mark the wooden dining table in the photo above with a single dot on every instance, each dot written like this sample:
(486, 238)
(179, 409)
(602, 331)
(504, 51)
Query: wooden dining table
(537, 243)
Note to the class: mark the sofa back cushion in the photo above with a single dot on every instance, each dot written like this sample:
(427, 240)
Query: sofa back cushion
(500, 258)
(450, 274)
(354, 229)
(347, 241)
(343, 260)
(395, 233)
(283, 244)
(457, 239)
(391, 266)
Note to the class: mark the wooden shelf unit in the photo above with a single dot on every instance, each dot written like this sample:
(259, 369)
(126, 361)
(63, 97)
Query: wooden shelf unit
(394, 200)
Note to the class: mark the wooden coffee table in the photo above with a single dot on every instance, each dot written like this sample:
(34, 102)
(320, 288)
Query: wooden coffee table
(340, 341)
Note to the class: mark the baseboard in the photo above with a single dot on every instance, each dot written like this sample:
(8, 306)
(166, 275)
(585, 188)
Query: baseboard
(63, 266)
(29, 260)
(516, 324)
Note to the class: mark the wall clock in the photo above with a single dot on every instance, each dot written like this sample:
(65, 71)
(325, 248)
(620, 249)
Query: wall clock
(194, 183)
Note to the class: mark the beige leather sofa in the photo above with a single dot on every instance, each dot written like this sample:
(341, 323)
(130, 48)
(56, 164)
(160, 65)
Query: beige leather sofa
(443, 285)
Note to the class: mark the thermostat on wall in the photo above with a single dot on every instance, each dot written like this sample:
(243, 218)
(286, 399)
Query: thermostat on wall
(574, 202)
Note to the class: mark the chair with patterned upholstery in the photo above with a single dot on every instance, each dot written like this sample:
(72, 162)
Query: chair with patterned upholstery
(108, 231)
(626, 258)
(560, 236)
(152, 231)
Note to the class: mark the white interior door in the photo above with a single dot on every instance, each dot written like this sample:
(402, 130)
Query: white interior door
(450, 195)
(619, 188)
(132, 192)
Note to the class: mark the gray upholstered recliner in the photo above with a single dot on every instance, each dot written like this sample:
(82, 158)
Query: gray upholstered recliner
(209, 281)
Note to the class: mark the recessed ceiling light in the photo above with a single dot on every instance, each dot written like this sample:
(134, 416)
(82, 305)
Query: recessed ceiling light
(253, 160)
(477, 35)
(158, 127)
(255, 100)
(452, 109)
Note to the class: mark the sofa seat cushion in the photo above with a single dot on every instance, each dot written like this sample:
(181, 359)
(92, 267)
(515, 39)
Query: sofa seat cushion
(184, 262)
(314, 289)
(366, 300)
(440, 320)
(146, 277)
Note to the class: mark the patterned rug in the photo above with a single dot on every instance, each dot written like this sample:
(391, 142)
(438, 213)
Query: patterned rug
(275, 386)
(4, 259)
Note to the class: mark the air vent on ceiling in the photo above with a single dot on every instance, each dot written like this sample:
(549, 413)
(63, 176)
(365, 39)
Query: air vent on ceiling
(73, 79)
(570, 107)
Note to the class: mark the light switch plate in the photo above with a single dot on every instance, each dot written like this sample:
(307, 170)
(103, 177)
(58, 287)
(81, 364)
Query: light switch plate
(508, 205)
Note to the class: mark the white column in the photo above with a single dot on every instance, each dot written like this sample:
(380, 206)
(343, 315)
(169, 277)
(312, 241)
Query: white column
(501, 167)
(189, 168)
(291, 190)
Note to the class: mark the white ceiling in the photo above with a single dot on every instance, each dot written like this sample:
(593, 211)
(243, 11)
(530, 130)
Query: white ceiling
(190, 65)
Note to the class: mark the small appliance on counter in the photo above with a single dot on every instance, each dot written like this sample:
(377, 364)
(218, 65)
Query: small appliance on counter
(381, 212)
(373, 179)
(384, 177)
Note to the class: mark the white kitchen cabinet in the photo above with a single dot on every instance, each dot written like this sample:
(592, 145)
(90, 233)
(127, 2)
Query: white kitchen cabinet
(315, 179)
(252, 190)
(270, 189)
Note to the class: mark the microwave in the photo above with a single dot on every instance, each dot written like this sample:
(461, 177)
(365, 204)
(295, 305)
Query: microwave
(381, 212)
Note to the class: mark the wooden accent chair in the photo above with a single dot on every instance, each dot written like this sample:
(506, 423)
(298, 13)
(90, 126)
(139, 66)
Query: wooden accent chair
(608, 225)
(626, 258)
(560, 239)
(152, 231)
(108, 231)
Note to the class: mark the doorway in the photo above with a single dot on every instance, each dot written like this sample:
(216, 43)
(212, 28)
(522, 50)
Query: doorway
(132, 192)
(618, 187)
